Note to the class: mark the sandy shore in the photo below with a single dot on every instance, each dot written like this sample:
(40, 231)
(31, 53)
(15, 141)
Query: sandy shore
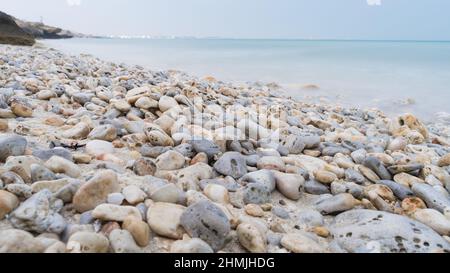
(102, 157)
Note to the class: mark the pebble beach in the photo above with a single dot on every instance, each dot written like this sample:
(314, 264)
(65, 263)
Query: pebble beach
(100, 157)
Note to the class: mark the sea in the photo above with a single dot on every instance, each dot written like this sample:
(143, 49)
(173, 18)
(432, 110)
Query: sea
(393, 76)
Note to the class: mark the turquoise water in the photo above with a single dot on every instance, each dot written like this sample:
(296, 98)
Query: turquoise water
(395, 77)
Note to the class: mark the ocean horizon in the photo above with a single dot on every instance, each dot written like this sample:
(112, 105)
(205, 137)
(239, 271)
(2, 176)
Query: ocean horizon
(393, 76)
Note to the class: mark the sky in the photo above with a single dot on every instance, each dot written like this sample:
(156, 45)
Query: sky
(285, 19)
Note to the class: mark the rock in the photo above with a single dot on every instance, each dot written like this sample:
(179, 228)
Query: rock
(96, 191)
(166, 103)
(414, 124)
(79, 131)
(255, 193)
(134, 195)
(194, 245)
(353, 176)
(229, 183)
(104, 132)
(168, 193)
(58, 151)
(217, 193)
(316, 188)
(82, 158)
(21, 166)
(347, 187)
(12, 145)
(122, 242)
(39, 214)
(231, 164)
(310, 218)
(165, 219)
(433, 198)
(144, 166)
(206, 146)
(397, 144)
(434, 219)
(3, 125)
(99, 147)
(115, 198)
(41, 173)
(336, 204)
(444, 160)
(407, 179)
(170, 160)
(377, 167)
(263, 177)
(409, 168)
(200, 158)
(11, 33)
(280, 212)
(399, 190)
(354, 230)
(61, 165)
(206, 221)
(19, 241)
(109, 227)
(271, 163)
(52, 185)
(122, 106)
(290, 185)
(109, 212)
(251, 238)
(300, 243)
(87, 242)
(325, 177)
(254, 210)
(138, 229)
(294, 144)
(21, 108)
(146, 103)
(46, 94)
(20, 190)
(8, 202)
(411, 204)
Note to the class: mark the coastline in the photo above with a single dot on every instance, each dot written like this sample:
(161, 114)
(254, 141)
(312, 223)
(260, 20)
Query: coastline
(174, 147)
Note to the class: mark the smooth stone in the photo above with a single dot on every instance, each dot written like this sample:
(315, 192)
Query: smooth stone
(99, 147)
(368, 173)
(263, 177)
(409, 168)
(41, 173)
(186, 150)
(169, 193)
(110, 212)
(407, 179)
(316, 188)
(433, 198)
(354, 230)
(251, 238)
(444, 160)
(399, 190)
(46, 94)
(146, 103)
(164, 219)
(122, 242)
(280, 212)
(310, 218)
(21, 108)
(8, 202)
(58, 151)
(294, 144)
(206, 146)
(95, 191)
(347, 187)
(337, 203)
(134, 195)
(352, 175)
(255, 193)
(170, 160)
(12, 145)
(397, 144)
(61, 165)
(52, 185)
(138, 229)
(325, 177)
(434, 219)
(229, 184)
(39, 214)
(21, 166)
(144, 166)
(231, 164)
(19, 241)
(86, 218)
(217, 193)
(254, 210)
(79, 131)
(153, 152)
(208, 222)
(167, 103)
(194, 245)
(300, 243)
(87, 242)
(105, 132)
(3, 125)
(290, 185)
(377, 167)
(20, 190)
(115, 198)
(271, 163)
(359, 156)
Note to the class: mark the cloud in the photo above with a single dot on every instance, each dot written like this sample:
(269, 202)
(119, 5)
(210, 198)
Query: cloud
(73, 3)
(374, 2)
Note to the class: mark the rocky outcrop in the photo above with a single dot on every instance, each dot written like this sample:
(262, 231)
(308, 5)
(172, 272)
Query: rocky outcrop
(42, 31)
(11, 33)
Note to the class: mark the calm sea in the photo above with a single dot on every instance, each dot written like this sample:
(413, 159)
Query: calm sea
(395, 77)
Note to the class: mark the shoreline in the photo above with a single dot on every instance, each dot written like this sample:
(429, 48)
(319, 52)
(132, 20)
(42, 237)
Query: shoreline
(117, 158)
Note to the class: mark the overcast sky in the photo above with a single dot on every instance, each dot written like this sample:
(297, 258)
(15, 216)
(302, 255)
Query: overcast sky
(318, 19)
